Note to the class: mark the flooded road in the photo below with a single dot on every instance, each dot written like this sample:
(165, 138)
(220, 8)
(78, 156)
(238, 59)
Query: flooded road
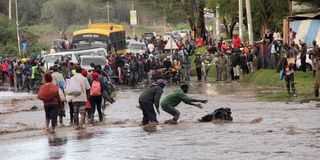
(261, 130)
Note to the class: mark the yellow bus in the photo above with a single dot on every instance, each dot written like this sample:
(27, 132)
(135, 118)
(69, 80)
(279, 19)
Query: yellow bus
(108, 36)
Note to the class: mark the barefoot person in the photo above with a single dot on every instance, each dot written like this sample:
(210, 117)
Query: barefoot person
(151, 96)
(49, 94)
(172, 100)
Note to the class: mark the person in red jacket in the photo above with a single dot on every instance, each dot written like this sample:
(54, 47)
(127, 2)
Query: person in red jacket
(4, 69)
(236, 41)
(49, 94)
(199, 42)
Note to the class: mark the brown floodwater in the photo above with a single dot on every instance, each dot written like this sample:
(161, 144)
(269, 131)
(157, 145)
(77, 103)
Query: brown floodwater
(260, 130)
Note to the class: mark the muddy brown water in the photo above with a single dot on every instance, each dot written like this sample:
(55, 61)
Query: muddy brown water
(261, 130)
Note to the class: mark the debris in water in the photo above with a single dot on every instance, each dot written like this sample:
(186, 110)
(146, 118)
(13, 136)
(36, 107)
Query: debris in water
(292, 131)
(257, 120)
(34, 108)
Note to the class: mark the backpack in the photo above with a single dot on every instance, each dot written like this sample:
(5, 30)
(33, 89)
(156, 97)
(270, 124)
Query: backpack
(95, 89)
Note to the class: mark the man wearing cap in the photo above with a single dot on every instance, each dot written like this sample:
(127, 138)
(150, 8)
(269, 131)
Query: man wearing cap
(149, 97)
(303, 56)
(172, 100)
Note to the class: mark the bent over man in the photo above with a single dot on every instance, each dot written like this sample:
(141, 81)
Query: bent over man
(149, 97)
(169, 103)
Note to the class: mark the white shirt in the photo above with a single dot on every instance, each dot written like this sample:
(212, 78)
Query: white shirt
(84, 83)
(150, 47)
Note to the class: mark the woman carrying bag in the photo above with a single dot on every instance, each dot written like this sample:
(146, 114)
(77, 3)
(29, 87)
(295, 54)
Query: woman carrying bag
(95, 97)
(49, 94)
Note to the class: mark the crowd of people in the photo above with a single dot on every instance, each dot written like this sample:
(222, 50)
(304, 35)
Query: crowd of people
(269, 53)
(85, 91)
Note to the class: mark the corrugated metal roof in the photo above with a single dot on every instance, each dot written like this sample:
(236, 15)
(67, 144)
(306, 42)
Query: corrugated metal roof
(315, 15)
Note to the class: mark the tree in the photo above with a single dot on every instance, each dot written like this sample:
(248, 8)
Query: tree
(228, 10)
(269, 14)
(8, 37)
(194, 10)
(30, 11)
(7, 30)
(63, 13)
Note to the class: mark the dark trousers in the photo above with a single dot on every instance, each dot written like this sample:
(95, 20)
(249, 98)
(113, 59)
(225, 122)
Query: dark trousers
(19, 81)
(51, 111)
(71, 112)
(96, 103)
(303, 64)
(173, 111)
(199, 73)
(4, 75)
(290, 83)
(149, 115)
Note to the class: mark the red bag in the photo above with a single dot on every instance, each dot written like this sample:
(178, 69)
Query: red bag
(88, 104)
(48, 92)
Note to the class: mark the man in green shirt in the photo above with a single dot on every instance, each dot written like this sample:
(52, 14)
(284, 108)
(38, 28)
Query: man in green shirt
(172, 100)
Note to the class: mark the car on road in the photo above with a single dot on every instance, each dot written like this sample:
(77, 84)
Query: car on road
(166, 36)
(59, 44)
(128, 41)
(136, 47)
(86, 61)
(176, 35)
(72, 55)
(148, 36)
(183, 33)
(309, 64)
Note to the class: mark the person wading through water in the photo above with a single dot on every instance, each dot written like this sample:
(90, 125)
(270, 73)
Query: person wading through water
(151, 96)
(172, 100)
(49, 94)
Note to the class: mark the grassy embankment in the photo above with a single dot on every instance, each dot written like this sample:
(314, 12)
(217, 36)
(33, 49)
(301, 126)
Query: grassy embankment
(303, 82)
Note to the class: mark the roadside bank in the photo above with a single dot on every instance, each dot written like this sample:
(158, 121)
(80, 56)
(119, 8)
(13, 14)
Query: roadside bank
(304, 82)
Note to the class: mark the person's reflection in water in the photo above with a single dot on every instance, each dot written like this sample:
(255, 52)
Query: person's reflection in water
(56, 148)
(84, 134)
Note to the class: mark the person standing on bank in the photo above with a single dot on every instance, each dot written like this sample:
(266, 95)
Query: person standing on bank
(172, 100)
(316, 60)
(151, 96)
(198, 63)
(303, 56)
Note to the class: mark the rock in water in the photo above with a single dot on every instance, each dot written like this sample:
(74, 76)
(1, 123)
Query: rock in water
(34, 108)
(218, 114)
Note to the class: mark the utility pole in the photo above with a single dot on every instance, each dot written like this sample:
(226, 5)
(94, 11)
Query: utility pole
(108, 11)
(240, 19)
(133, 33)
(249, 20)
(217, 23)
(17, 23)
(10, 8)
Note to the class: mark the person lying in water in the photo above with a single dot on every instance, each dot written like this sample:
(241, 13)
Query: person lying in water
(172, 100)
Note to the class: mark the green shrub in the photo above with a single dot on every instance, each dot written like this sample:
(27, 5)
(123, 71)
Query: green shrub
(9, 49)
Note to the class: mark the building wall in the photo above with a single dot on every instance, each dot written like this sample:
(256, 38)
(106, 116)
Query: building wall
(307, 30)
